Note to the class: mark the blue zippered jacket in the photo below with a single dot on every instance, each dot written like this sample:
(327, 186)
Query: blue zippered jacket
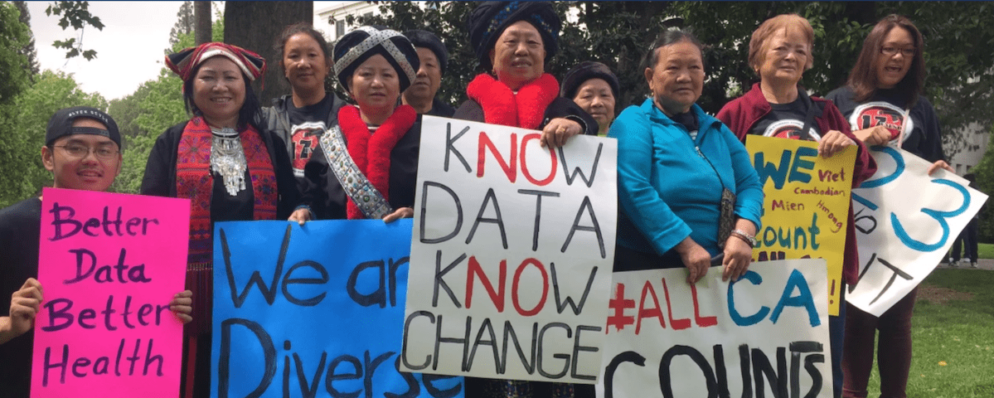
(666, 188)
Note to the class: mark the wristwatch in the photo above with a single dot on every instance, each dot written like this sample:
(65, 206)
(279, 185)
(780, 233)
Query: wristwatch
(744, 236)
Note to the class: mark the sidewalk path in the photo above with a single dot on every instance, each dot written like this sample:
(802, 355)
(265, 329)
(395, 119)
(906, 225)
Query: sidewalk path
(982, 264)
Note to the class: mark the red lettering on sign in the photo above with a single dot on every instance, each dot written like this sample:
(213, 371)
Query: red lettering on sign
(510, 168)
(497, 297)
(514, 287)
(654, 312)
(678, 324)
(524, 163)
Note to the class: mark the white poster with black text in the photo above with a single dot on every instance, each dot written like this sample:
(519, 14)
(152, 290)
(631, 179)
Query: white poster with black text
(763, 335)
(511, 254)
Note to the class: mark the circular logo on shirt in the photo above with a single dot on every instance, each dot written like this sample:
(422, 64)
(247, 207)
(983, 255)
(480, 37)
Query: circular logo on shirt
(790, 129)
(879, 113)
(304, 139)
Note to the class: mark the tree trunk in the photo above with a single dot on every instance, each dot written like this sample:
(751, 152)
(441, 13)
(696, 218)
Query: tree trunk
(202, 22)
(255, 26)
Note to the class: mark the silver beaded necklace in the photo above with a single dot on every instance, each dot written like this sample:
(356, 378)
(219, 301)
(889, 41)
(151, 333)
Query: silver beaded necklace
(228, 159)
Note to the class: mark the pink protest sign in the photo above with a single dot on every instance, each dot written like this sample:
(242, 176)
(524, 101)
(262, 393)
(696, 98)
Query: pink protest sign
(109, 265)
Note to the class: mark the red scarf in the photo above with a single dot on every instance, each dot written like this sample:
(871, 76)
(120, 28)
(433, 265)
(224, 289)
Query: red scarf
(501, 106)
(371, 152)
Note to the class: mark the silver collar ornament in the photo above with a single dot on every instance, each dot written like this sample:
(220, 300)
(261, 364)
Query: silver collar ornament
(228, 159)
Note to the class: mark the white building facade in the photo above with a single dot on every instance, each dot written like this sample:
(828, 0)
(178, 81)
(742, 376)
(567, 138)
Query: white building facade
(330, 18)
(977, 138)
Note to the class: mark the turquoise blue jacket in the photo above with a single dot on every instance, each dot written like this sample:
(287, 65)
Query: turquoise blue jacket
(666, 188)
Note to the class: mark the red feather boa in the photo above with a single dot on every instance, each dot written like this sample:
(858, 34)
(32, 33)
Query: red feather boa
(371, 152)
(501, 106)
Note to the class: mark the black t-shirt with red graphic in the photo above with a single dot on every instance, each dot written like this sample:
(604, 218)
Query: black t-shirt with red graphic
(307, 125)
(786, 121)
(917, 128)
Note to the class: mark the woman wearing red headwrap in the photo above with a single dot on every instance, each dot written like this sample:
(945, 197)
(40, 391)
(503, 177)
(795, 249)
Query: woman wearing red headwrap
(228, 166)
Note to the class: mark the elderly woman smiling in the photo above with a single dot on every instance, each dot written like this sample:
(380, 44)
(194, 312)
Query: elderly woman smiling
(668, 145)
(513, 41)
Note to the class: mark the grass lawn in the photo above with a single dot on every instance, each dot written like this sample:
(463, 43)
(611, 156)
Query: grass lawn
(953, 341)
(985, 250)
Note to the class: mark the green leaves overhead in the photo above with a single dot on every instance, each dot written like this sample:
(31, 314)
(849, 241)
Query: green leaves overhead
(77, 15)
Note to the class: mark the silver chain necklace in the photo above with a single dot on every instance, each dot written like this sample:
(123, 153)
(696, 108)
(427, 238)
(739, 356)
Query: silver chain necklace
(228, 159)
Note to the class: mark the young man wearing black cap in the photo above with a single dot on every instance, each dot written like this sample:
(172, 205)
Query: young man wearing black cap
(83, 151)
(434, 58)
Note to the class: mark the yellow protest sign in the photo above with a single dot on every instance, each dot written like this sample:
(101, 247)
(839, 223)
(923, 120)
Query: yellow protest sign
(806, 208)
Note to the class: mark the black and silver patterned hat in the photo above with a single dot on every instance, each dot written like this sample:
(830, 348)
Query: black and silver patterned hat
(489, 20)
(357, 46)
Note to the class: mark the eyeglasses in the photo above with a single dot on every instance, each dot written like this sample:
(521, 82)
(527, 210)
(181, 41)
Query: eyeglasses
(891, 51)
(81, 151)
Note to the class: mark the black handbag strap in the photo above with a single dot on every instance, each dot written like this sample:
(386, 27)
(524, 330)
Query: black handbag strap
(814, 111)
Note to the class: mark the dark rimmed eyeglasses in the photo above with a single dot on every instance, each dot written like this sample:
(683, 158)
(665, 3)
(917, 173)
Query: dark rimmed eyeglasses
(81, 151)
(891, 51)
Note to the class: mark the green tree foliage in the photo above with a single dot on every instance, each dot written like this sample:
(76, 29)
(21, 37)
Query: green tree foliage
(960, 66)
(184, 22)
(77, 15)
(125, 111)
(985, 180)
(23, 173)
(958, 39)
(14, 35)
(28, 50)
(14, 67)
(145, 114)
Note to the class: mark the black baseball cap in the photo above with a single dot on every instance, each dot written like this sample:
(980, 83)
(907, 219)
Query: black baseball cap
(60, 125)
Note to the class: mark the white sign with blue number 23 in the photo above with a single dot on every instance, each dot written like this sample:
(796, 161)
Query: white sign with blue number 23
(905, 223)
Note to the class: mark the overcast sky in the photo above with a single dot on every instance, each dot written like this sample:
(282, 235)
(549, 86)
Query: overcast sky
(129, 48)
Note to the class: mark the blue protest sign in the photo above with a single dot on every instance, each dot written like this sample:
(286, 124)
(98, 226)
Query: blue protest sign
(313, 311)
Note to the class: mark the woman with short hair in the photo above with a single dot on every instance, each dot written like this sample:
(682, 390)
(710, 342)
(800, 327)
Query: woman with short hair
(780, 50)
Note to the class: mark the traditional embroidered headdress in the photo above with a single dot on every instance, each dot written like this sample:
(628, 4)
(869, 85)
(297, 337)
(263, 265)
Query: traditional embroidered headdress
(357, 46)
(488, 20)
(185, 61)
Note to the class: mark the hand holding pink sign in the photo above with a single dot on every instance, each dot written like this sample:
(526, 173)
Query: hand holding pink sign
(111, 265)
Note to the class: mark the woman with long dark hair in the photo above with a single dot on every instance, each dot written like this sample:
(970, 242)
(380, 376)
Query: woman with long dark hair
(883, 103)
